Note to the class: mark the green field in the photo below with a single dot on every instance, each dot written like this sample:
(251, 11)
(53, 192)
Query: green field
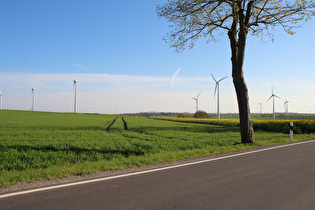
(40, 145)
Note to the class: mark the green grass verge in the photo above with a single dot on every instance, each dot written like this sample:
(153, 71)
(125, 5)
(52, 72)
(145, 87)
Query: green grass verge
(39, 145)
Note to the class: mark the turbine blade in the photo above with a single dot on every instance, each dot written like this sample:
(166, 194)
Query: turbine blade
(214, 78)
(276, 96)
(222, 79)
(198, 95)
(215, 90)
(270, 98)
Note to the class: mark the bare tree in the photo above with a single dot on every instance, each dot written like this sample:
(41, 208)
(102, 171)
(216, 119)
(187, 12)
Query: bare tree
(192, 19)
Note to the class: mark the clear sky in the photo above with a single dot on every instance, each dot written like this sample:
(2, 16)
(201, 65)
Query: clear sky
(114, 49)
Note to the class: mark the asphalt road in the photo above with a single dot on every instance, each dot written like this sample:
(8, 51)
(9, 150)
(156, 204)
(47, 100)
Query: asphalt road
(280, 178)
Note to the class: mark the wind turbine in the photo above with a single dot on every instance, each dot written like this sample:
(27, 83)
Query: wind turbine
(273, 99)
(286, 106)
(33, 99)
(260, 104)
(217, 87)
(196, 99)
(75, 95)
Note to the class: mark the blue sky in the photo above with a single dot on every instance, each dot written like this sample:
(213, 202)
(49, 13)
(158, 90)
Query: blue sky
(116, 52)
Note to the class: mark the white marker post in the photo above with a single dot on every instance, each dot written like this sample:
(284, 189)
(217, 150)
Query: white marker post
(291, 131)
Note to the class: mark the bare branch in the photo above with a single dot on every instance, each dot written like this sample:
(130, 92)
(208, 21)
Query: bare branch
(191, 19)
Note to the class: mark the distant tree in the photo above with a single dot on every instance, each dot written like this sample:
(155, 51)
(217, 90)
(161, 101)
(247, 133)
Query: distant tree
(192, 19)
(182, 115)
(201, 114)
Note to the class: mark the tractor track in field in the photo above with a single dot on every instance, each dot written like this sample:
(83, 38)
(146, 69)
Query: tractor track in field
(124, 121)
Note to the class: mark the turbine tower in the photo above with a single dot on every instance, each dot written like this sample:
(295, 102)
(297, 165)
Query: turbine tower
(0, 100)
(33, 99)
(217, 87)
(75, 95)
(196, 99)
(260, 104)
(273, 99)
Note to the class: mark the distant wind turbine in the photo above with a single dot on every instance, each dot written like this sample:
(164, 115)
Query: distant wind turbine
(217, 88)
(196, 99)
(273, 99)
(33, 99)
(260, 104)
(286, 106)
(75, 95)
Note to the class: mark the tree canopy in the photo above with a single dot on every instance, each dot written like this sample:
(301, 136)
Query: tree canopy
(192, 19)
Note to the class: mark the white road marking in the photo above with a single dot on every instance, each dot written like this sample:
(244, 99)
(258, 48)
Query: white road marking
(149, 171)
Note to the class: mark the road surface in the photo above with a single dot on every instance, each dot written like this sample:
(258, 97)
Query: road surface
(277, 178)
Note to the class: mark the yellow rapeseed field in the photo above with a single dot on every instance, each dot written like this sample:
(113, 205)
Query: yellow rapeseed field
(283, 126)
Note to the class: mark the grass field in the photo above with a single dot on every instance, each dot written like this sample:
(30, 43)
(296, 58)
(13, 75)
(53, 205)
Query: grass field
(39, 145)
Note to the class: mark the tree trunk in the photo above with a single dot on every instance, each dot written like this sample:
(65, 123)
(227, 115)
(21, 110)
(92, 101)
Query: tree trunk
(238, 51)
(247, 131)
